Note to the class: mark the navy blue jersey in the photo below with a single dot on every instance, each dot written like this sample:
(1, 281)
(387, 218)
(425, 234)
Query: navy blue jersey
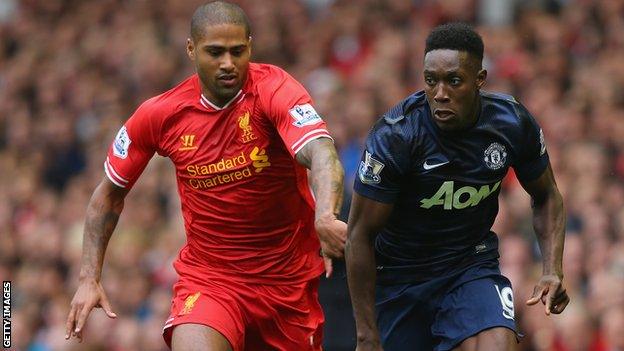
(444, 185)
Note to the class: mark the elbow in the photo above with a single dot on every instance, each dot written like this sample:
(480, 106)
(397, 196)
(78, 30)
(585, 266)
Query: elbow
(107, 198)
(357, 240)
(548, 198)
(118, 205)
(348, 248)
(352, 247)
(340, 169)
(349, 245)
(557, 200)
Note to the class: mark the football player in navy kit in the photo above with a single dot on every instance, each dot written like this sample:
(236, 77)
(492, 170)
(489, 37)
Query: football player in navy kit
(422, 261)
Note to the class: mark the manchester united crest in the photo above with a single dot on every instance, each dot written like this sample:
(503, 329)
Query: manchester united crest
(495, 156)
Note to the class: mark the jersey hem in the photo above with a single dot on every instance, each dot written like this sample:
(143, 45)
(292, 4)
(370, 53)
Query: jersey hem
(113, 176)
(373, 195)
(308, 137)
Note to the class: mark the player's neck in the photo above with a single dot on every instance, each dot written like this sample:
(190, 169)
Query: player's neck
(219, 104)
(474, 114)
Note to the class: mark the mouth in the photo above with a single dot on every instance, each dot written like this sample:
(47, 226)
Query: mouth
(228, 80)
(443, 115)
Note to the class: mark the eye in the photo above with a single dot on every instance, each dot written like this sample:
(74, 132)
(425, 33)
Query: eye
(238, 51)
(455, 81)
(214, 52)
(429, 81)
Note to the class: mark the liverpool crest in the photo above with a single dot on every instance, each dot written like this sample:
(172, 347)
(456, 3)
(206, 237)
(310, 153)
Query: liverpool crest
(247, 132)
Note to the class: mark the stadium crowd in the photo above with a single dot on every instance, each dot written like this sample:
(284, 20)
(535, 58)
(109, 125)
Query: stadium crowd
(72, 71)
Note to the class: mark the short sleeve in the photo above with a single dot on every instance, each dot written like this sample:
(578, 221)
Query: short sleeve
(290, 108)
(133, 147)
(533, 158)
(383, 164)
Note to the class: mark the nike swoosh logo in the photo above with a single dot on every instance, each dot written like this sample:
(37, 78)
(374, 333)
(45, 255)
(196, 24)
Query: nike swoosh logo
(427, 166)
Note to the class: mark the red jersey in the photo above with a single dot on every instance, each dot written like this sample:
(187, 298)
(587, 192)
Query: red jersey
(247, 206)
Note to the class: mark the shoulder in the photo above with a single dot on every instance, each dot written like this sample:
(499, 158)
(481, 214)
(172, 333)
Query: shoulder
(396, 137)
(403, 121)
(262, 72)
(267, 78)
(172, 101)
(505, 106)
(500, 97)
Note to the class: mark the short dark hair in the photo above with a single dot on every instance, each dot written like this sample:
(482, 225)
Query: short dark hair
(218, 12)
(455, 36)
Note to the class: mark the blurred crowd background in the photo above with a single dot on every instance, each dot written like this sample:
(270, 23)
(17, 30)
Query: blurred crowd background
(72, 71)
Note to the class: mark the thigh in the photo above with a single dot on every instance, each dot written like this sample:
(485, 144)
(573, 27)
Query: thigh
(495, 339)
(404, 317)
(197, 337)
(473, 307)
(285, 317)
(207, 307)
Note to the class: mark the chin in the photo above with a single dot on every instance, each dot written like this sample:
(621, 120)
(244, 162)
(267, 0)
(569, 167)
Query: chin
(449, 127)
(228, 93)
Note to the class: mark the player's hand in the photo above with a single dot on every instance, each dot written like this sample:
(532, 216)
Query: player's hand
(551, 292)
(333, 235)
(329, 266)
(90, 294)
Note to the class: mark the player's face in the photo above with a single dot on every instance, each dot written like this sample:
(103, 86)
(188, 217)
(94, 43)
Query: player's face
(221, 56)
(452, 82)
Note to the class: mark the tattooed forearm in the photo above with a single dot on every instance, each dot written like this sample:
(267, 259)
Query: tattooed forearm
(102, 216)
(326, 175)
(98, 230)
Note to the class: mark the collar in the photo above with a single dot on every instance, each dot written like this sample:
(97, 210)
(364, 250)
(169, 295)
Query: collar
(207, 104)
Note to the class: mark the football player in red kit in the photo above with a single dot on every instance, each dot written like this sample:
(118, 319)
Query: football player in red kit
(242, 137)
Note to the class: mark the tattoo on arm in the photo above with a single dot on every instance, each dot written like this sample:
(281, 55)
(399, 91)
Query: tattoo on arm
(102, 217)
(326, 175)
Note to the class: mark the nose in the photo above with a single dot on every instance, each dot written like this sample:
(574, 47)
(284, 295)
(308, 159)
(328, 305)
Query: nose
(441, 94)
(227, 62)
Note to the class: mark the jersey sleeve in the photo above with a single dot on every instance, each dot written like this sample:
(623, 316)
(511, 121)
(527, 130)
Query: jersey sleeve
(132, 148)
(383, 164)
(290, 108)
(533, 159)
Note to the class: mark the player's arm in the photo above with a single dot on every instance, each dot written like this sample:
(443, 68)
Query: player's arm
(289, 106)
(326, 177)
(103, 211)
(549, 225)
(366, 218)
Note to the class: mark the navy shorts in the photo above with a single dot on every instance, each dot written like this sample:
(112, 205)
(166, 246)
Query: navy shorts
(440, 313)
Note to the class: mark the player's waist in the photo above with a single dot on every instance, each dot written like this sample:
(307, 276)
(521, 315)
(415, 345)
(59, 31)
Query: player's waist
(415, 264)
(269, 267)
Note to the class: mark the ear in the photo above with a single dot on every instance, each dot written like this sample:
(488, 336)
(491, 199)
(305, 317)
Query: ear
(481, 76)
(190, 49)
(249, 45)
